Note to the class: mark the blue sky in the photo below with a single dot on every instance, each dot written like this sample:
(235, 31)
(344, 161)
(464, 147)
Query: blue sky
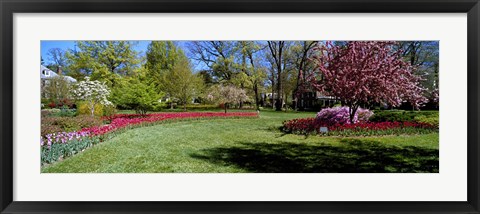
(141, 46)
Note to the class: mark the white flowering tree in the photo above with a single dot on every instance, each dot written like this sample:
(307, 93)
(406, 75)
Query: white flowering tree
(93, 92)
(227, 95)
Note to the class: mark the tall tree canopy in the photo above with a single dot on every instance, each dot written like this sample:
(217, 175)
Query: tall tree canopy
(102, 60)
(217, 56)
(58, 57)
(181, 83)
(161, 57)
(278, 51)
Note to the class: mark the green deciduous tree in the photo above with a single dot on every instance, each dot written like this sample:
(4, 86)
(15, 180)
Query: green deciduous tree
(180, 83)
(133, 93)
(103, 60)
(161, 57)
(56, 88)
(218, 56)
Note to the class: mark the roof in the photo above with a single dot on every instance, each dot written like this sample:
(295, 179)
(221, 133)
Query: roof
(50, 74)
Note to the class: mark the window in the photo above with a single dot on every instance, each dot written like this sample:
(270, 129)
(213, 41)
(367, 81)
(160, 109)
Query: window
(45, 72)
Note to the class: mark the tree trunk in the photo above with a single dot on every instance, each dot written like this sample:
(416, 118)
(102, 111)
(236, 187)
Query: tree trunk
(255, 90)
(352, 110)
(279, 101)
(92, 108)
(273, 97)
(185, 106)
(225, 107)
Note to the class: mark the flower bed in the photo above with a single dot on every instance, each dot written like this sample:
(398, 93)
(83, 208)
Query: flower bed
(312, 126)
(63, 144)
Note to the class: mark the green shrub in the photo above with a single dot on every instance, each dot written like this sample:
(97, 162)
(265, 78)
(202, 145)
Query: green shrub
(50, 112)
(45, 103)
(67, 124)
(432, 119)
(400, 116)
(83, 109)
(109, 110)
(63, 112)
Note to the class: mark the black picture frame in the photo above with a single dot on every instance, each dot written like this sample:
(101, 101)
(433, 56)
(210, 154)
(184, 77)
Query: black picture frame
(9, 7)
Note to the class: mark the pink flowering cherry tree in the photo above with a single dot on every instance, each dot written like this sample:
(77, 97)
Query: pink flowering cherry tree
(365, 73)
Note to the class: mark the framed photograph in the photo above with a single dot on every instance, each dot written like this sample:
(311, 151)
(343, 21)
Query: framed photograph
(242, 107)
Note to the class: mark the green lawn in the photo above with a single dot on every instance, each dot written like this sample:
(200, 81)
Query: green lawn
(250, 145)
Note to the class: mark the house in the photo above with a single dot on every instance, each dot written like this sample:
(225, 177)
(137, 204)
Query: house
(269, 99)
(307, 100)
(46, 74)
(314, 100)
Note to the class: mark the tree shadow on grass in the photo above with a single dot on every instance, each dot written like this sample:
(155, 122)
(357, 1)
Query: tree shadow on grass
(352, 156)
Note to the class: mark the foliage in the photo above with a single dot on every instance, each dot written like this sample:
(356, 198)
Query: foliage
(109, 110)
(400, 116)
(49, 112)
(218, 56)
(366, 73)
(83, 108)
(181, 84)
(66, 112)
(102, 59)
(430, 119)
(131, 93)
(57, 90)
(161, 57)
(93, 92)
(227, 95)
(52, 125)
(341, 115)
(57, 151)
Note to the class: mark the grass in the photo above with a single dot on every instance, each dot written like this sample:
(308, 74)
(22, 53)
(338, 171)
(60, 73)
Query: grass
(250, 145)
